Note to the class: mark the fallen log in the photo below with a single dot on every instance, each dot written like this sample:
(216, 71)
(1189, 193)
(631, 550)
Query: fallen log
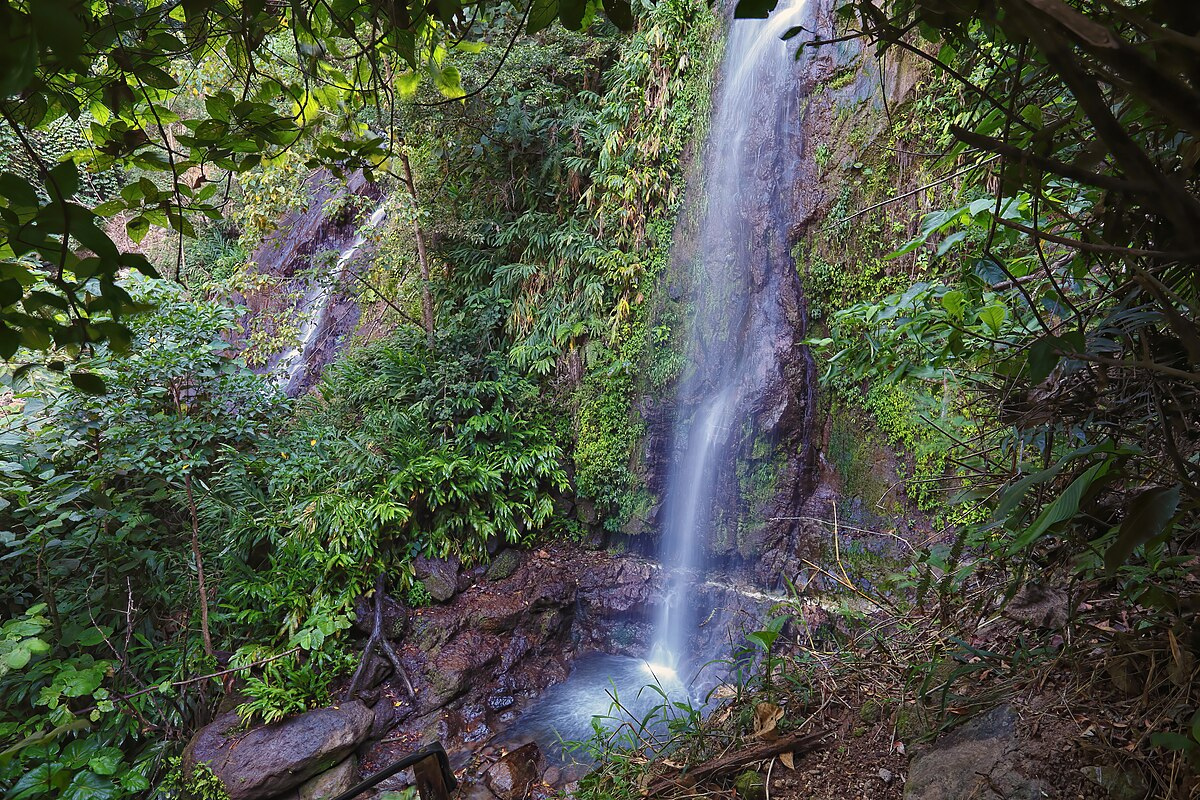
(723, 765)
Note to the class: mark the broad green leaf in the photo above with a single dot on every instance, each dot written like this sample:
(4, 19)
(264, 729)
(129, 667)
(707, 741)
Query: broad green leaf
(89, 786)
(137, 228)
(1063, 508)
(993, 317)
(1147, 517)
(18, 657)
(88, 382)
(105, 761)
(953, 302)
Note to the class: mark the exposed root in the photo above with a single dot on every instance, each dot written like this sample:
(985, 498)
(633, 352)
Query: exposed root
(377, 641)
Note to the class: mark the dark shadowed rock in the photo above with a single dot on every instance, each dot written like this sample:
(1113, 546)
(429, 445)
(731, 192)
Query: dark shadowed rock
(440, 577)
(271, 759)
(511, 777)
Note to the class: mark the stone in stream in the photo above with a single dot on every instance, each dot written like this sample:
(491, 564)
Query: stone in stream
(268, 760)
(511, 777)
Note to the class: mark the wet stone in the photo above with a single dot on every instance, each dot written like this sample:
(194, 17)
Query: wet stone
(500, 701)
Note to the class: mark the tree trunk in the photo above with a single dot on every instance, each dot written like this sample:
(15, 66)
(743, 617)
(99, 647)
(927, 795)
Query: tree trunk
(422, 255)
(202, 586)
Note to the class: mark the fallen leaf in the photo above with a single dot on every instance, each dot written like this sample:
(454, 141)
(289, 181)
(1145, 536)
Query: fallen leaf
(788, 760)
(766, 716)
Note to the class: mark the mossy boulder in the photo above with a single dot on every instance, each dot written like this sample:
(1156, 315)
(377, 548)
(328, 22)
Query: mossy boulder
(503, 565)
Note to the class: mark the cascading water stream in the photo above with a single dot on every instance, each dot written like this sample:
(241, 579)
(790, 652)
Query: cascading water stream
(733, 333)
(741, 333)
(312, 309)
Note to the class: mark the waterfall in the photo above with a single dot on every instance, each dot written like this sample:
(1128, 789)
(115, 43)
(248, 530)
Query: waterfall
(313, 307)
(741, 263)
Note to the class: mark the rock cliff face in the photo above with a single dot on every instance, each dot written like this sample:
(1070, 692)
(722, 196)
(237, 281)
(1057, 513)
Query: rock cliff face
(297, 259)
(771, 469)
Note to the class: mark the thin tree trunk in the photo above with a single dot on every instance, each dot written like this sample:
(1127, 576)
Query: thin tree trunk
(203, 588)
(422, 255)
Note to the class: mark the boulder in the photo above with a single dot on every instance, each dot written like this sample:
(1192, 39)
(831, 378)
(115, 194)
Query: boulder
(331, 782)
(440, 577)
(978, 760)
(503, 565)
(269, 760)
(511, 777)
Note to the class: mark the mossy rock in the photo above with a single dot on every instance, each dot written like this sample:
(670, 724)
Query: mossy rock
(750, 786)
(909, 725)
(503, 565)
(873, 710)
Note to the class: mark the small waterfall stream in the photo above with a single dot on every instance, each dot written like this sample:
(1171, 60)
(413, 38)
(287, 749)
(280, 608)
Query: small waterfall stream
(312, 310)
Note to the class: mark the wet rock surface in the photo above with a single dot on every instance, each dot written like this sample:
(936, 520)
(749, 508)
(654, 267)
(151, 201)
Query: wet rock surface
(269, 760)
(479, 660)
(476, 659)
(511, 777)
(979, 759)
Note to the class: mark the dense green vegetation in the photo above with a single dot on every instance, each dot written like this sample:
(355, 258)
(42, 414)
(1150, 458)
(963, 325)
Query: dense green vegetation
(1020, 332)
(167, 513)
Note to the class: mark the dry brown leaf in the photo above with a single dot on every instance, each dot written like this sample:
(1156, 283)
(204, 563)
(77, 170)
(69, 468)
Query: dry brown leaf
(643, 783)
(788, 760)
(766, 717)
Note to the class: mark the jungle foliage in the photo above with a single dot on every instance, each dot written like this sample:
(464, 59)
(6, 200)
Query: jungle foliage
(167, 513)
(119, 72)
(1058, 308)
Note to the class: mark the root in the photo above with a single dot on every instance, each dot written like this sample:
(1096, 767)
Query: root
(377, 641)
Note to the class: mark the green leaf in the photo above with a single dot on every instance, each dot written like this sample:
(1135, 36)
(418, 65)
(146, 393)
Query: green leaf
(89, 786)
(82, 682)
(42, 780)
(105, 761)
(993, 317)
(137, 228)
(64, 178)
(1043, 358)
(571, 13)
(18, 657)
(1063, 508)
(1148, 516)
(88, 382)
(541, 14)
(953, 302)
(619, 13)
(449, 82)
(1172, 741)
